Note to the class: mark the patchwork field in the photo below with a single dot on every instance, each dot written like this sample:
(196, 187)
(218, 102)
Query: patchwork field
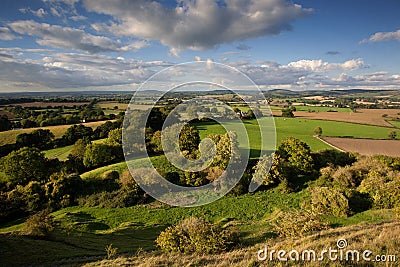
(366, 146)
(377, 117)
(302, 129)
(9, 137)
(50, 104)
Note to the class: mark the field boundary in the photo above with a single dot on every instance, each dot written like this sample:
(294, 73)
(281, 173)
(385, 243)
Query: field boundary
(329, 144)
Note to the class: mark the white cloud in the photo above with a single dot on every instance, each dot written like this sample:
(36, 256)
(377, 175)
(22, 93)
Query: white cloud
(197, 24)
(383, 36)
(321, 66)
(38, 13)
(70, 38)
(6, 34)
(70, 70)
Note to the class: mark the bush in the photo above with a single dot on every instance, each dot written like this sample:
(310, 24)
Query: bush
(329, 201)
(195, 235)
(40, 224)
(110, 175)
(120, 198)
(298, 223)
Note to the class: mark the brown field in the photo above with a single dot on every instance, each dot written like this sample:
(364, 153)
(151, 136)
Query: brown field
(9, 137)
(49, 104)
(362, 116)
(122, 106)
(366, 146)
(7, 114)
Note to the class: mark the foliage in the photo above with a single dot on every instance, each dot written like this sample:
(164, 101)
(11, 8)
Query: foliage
(40, 138)
(329, 201)
(24, 165)
(288, 112)
(99, 154)
(76, 132)
(40, 224)
(120, 198)
(297, 153)
(196, 235)
(318, 131)
(111, 251)
(189, 138)
(392, 135)
(298, 223)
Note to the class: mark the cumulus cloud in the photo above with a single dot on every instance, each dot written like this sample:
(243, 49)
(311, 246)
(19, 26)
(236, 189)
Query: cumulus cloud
(71, 70)
(6, 34)
(321, 66)
(70, 38)
(38, 13)
(197, 24)
(383, 36)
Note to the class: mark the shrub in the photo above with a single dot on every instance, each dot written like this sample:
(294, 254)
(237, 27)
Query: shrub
(392, 135)
(196, 235)
(40, 224)
(111, 251)
(318, 131)
(329, 201)
(120, 198)
(110, 175)
(298, 223)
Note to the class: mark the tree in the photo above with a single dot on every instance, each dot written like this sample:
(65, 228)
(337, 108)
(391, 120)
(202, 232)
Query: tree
(38, 138)
(288, 112)
(189, 138)
(318, 131)
(115, 137)
(25, 165)
(97, 155)
(297, 153)
(392, 135)
(5, 123)
(76, 132)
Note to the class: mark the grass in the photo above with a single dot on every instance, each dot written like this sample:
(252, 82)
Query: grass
(395, 123)
(358, 237)
(61, 153)
(302, 129)
(86, 231)
(321, 109)
(9, 137)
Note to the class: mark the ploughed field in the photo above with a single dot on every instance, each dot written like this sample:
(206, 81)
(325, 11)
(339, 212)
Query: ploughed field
(366, 146)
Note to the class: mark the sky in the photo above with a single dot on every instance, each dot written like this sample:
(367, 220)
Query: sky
(63, 45)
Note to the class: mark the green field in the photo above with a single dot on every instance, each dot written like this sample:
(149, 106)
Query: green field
(60, 153)
(302, 129)
(395, 123)
(321, 109)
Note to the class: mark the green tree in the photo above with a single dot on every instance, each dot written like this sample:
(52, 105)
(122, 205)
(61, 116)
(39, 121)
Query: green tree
(115, 137)
(288, 112)
(25, 165)
(97, 155)
(318, 131)
(5, 123)
(297, 153)
(38, 138)
(189, 138)
(76, 132)
(392, 135)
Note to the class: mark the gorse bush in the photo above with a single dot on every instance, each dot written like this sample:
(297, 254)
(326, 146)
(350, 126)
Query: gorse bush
(298, 223)
(196, 235)
(40, 224)
(329, 201)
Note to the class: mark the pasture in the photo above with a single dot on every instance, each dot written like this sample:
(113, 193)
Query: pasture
(9, 137)
(302, 129)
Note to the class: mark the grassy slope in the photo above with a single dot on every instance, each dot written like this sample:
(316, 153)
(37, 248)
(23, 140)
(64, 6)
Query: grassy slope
(395, 123)
(62, 152)
(360, 239)
(86, 231)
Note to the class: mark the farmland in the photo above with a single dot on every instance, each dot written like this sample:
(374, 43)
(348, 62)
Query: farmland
(9, 137)
(303, 129)
(367, 146)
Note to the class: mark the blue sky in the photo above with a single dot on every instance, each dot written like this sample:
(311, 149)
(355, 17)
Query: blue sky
(56, 45)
